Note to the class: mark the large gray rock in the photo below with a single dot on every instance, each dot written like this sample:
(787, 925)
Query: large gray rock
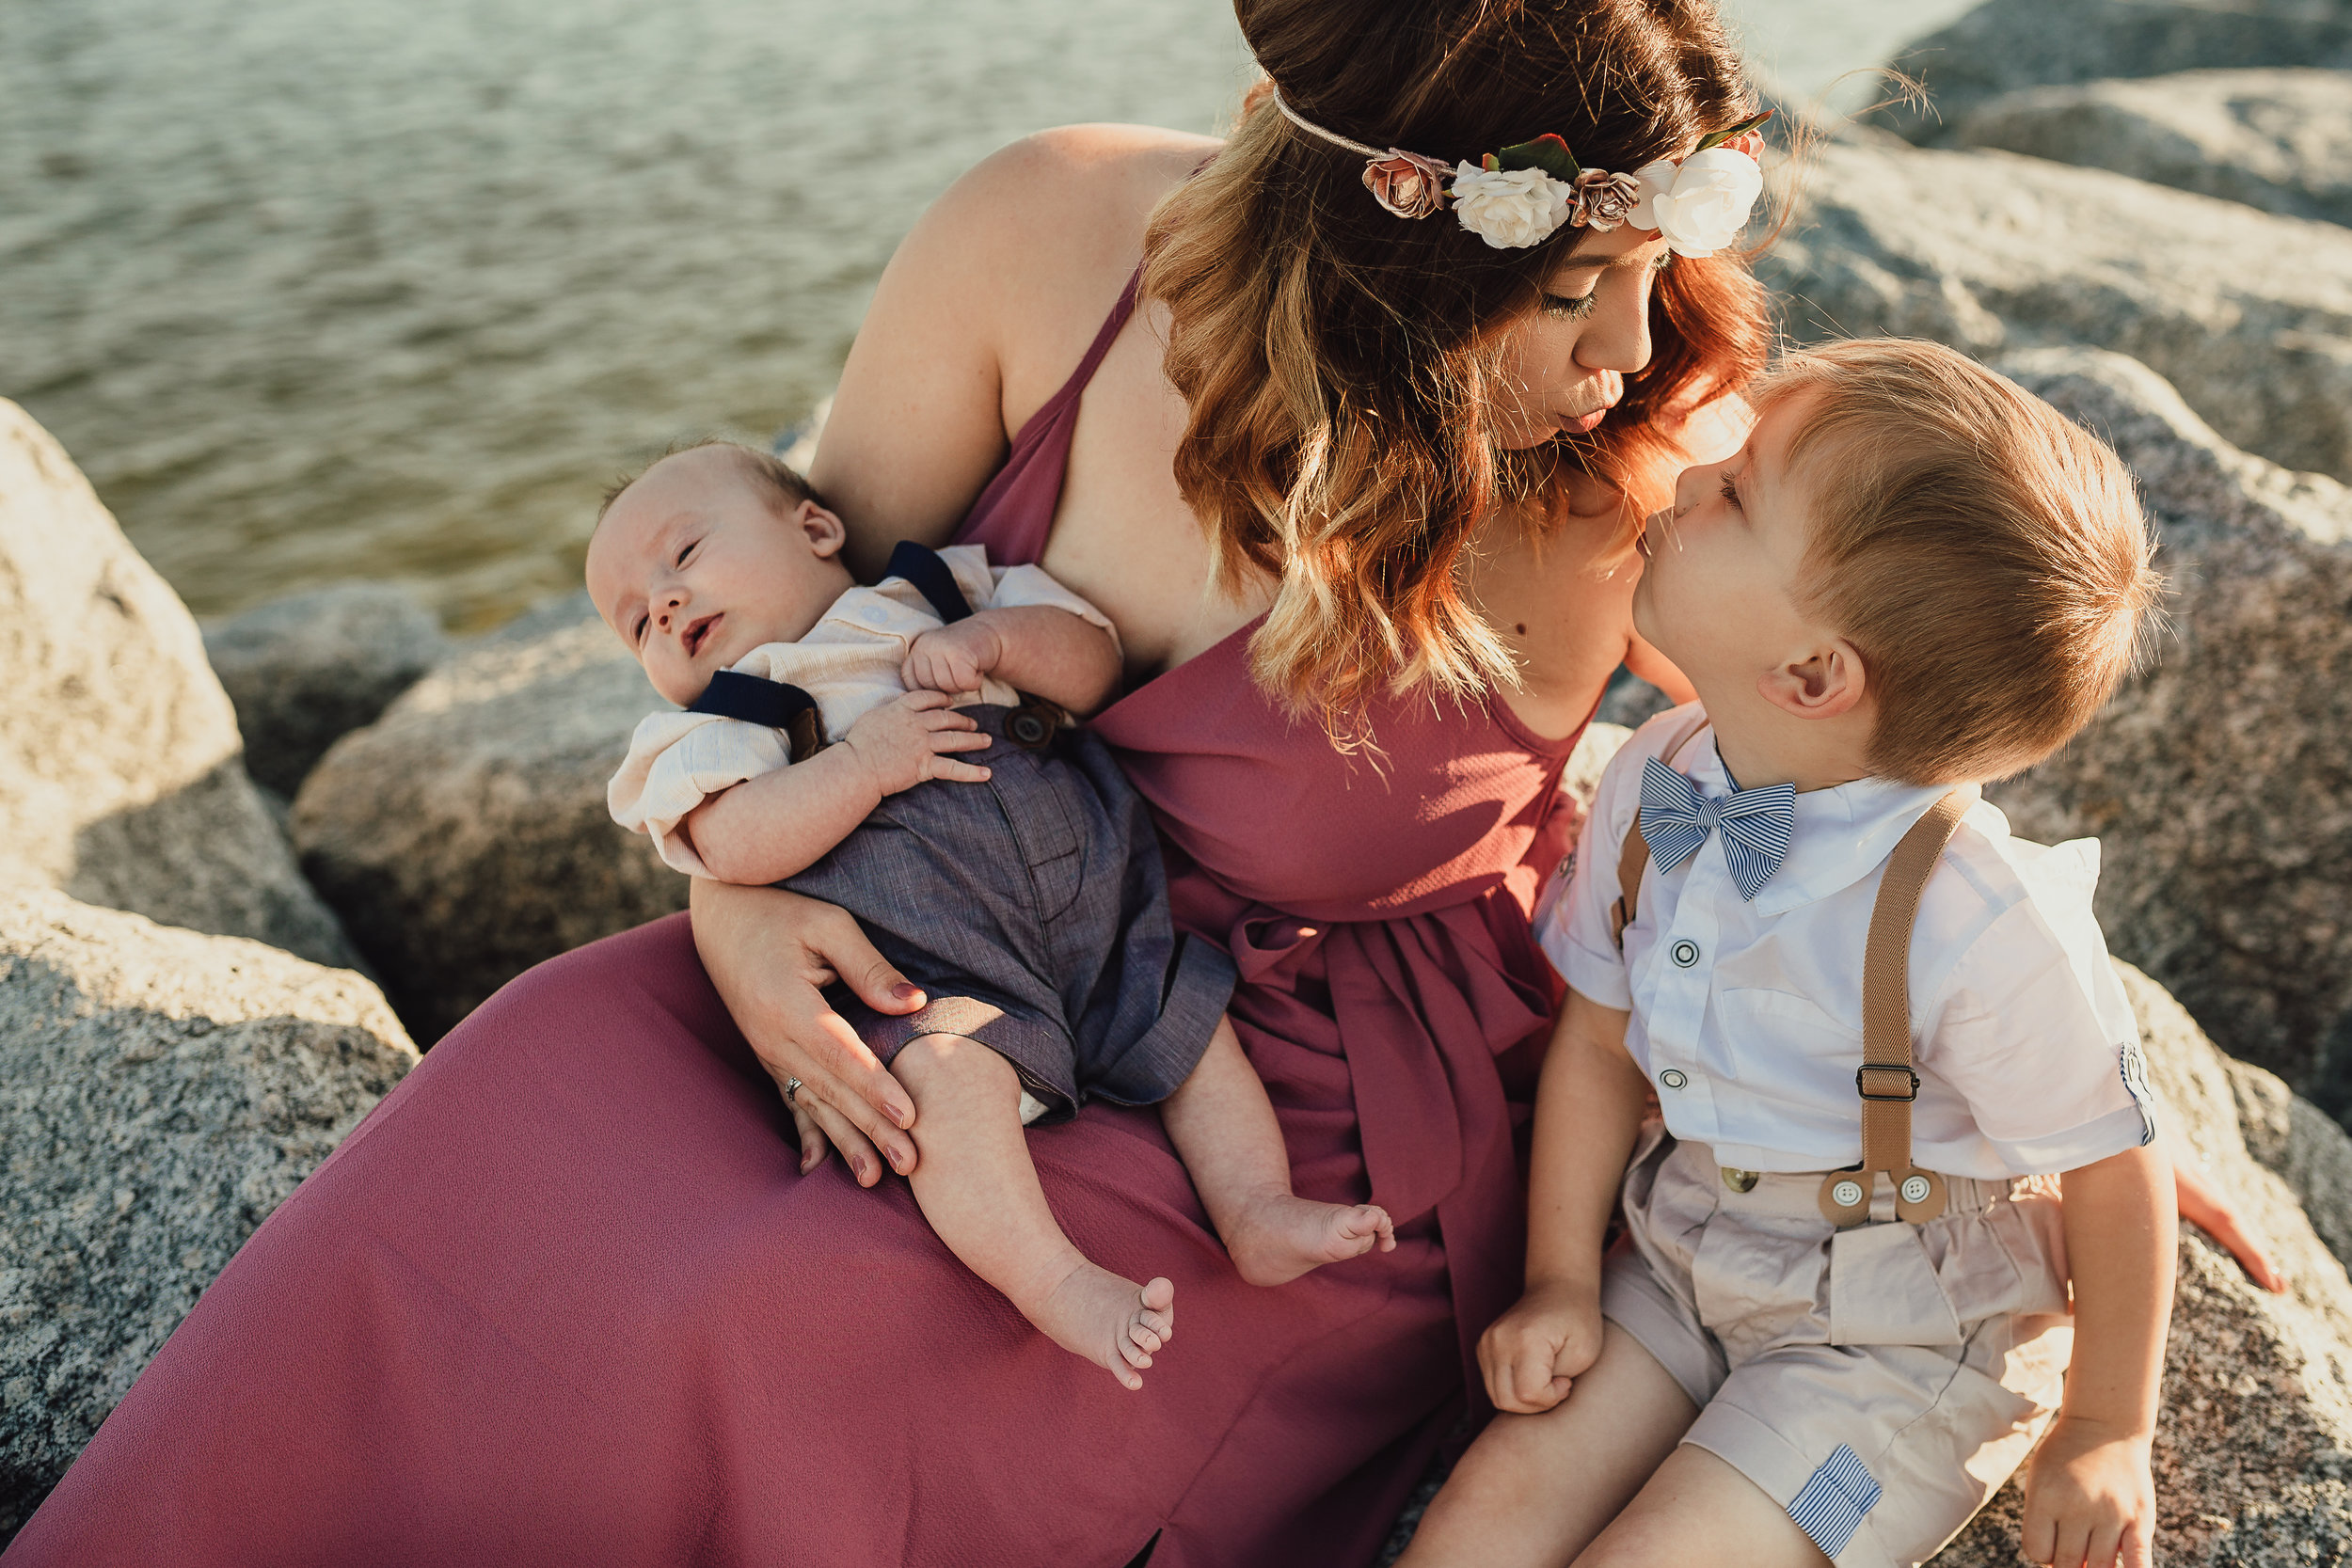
(120, 775)
(464, 835)
(2007, 44)
(2250, 315)
(2279, 140)
(2220, 778)
(2254, 1446)
(160, 1093)
(306, 670)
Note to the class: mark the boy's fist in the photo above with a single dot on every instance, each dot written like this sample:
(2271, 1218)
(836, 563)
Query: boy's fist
(913, 738)
(952, 659)
(2089, 1499)
(1536, 1351)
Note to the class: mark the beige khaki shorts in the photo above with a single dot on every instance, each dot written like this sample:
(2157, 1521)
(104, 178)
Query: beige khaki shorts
(1877, 1383)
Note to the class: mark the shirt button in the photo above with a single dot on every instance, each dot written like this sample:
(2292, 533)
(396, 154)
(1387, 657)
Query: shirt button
(1674, 1078)
(1684, 953)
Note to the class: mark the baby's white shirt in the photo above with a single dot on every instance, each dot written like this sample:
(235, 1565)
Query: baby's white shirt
(1747, 1016)
(849, 663)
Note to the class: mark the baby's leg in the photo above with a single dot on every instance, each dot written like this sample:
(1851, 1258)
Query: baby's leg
(1223, 1126)
(978, 1187)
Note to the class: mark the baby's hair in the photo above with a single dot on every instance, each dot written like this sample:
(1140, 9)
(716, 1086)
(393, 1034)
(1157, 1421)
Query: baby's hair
(785, 480)
(1986, 557)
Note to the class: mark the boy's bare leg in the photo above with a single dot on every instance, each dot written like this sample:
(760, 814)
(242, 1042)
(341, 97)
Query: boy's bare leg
(1534, 1491)
(977, 1185)
(1223, 1126)
(1699, 1509)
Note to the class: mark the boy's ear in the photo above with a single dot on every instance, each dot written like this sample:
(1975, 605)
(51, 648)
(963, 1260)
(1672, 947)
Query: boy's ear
(1828, 682)
(823, 529)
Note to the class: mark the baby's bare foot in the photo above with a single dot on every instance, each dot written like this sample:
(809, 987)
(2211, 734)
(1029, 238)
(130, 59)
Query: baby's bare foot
(1280, 1237)
(1113, 1322)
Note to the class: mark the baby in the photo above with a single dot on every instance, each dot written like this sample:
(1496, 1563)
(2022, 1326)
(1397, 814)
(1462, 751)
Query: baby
(1842, 1316)
(873, 747)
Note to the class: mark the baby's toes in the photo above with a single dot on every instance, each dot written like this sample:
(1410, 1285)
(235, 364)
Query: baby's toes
(1135, 1356)
(1145, 1337)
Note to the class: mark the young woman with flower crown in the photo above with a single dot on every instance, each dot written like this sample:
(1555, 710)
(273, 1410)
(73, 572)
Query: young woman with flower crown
(1357, 480)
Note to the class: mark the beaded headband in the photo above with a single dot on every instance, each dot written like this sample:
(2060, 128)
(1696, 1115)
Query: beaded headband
(1524, 194)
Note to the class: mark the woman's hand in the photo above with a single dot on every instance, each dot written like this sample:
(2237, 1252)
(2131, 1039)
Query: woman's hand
(2210, 1213)
(769, 952)
(1532, 1354)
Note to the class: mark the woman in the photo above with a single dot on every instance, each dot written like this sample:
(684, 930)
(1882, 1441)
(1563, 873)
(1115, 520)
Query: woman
(569, 1295)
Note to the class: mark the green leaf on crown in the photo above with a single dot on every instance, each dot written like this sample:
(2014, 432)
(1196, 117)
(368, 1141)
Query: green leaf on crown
(1547, 153)
(1739, 130)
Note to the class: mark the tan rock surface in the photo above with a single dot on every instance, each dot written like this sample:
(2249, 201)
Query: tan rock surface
(119, 772)
(2248, 315)
(2219, 781)
(2279, 140)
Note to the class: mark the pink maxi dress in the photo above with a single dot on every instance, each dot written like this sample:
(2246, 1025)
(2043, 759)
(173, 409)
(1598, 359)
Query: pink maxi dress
(562, 1298)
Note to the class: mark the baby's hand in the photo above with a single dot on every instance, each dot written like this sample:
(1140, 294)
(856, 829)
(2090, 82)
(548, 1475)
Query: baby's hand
(2089, 1499)
(1536, 1351)
(953, 658)
(904, 742)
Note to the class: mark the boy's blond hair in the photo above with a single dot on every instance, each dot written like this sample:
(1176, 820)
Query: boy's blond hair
(787, 485)
(1986, 557)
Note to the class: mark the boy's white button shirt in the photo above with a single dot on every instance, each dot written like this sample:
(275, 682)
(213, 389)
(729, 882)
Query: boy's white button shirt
(1747, 1016)
(849, 663)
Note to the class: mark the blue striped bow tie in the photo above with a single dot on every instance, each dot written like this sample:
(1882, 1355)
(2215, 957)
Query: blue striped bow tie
(1756, 824)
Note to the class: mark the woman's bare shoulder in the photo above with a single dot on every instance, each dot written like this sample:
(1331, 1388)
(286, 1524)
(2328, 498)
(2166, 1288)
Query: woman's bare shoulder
(1051, 226)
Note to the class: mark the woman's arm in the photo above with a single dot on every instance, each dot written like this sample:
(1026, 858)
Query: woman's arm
(987, 304)
(1588, 1111)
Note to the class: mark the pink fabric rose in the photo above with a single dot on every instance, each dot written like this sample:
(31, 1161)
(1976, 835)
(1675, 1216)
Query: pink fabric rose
(1407, 184)
(1602, 199)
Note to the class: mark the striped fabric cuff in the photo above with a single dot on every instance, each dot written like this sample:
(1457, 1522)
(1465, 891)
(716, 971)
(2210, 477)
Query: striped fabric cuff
(1832, 1506)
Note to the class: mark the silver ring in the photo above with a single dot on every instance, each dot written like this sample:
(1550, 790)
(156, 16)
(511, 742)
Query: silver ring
(792, 1087)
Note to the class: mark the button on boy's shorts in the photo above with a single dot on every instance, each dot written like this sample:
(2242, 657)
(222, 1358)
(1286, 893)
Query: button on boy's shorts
(1880, 1383)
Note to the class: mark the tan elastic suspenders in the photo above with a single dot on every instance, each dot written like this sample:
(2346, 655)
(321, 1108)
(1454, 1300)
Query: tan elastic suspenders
(1885, 1080)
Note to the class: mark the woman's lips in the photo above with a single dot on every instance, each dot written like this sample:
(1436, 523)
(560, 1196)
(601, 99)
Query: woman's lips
(1610, 386)
(698, 632)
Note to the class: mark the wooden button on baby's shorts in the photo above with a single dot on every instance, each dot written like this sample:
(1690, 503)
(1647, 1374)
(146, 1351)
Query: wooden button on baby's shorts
(1740, 1180)
(1030, 727)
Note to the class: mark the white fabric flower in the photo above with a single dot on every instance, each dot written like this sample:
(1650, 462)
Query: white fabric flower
(1702, 206)
(1511, 208)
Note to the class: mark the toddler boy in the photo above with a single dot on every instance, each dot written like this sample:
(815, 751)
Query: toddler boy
(873, 747)
(1794, 922)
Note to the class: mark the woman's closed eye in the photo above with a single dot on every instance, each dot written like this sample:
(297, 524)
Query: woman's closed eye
(1569, 307)
(1731, 490)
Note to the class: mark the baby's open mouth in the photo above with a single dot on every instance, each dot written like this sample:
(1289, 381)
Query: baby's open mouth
(699, 631)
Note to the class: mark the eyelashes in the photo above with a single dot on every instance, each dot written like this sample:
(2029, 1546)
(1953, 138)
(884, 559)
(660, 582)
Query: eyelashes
(1568, 308)
(1730, 491)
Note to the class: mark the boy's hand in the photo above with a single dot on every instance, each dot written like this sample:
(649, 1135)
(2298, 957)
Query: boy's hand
(954, 657)
(1536, 1351)
(904, 742)
(2089, 1499)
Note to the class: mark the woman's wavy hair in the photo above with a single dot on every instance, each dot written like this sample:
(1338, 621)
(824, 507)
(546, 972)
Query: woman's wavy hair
(1342, 364)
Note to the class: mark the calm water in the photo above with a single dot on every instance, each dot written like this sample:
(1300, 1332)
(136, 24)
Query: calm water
(327, 289)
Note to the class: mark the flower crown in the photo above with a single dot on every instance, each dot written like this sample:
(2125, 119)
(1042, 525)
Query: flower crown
(1523, 195)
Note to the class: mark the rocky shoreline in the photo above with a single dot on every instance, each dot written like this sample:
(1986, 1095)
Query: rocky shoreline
(250, 863)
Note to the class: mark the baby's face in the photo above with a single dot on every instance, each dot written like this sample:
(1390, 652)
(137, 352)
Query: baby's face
(697, 563)
(1720, 593)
